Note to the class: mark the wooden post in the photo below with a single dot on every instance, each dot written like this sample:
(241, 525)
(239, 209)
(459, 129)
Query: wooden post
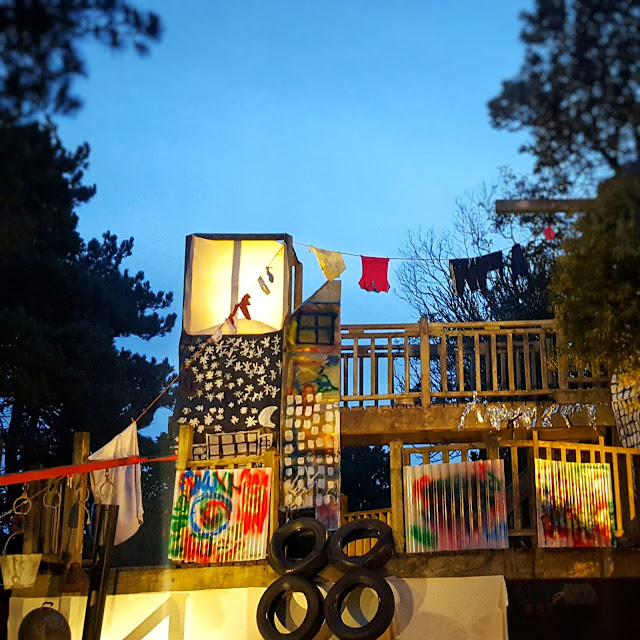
(297, 284)
(185, 447)
(397, 504)
(272, 459)
(344, 507)
(493, 448)
(75, 498)
(425, 364)
(563, 368)
(33, 519)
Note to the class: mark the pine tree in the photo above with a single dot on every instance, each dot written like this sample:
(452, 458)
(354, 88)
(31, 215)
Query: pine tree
(64, 304)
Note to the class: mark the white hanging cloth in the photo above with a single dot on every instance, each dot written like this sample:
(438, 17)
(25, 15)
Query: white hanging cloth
(120, 485)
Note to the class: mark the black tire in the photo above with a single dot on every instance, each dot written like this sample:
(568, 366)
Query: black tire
(375, 558)
(268, 604)
(341, 589)
(315, 558)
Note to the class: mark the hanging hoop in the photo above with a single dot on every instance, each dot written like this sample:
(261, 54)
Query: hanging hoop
(107, 488)
(22, 504)
(6, 544)
(52, 498)
(83, 493)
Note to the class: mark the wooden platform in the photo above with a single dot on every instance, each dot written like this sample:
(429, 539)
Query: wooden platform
(513, 564)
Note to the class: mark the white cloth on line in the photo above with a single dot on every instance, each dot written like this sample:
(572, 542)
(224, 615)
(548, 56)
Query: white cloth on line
(127, 488)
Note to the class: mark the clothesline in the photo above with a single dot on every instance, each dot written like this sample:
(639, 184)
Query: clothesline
(358, 255)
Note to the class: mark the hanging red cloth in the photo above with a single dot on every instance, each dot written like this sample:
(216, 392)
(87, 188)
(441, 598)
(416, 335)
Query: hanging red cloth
(374, 274)
(549, 233)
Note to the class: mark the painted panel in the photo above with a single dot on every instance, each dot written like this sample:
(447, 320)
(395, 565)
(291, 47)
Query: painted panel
(235, 385)
(310, 431)
(220, 515)
(574, 504)
(455, 506)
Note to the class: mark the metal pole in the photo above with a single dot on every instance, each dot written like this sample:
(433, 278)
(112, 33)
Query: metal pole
(105, 532)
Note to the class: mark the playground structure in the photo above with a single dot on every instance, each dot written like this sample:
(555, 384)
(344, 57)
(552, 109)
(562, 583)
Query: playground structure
(464, 405)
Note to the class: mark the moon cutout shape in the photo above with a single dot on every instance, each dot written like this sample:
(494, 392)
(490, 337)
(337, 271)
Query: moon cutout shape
(265, 417)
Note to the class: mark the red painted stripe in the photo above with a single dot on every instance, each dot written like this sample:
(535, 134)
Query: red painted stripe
(71, 469)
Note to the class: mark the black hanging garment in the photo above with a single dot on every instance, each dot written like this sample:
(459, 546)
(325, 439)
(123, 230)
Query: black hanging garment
(474, 271)
(518, 263)
(463, 270)
(484, 264)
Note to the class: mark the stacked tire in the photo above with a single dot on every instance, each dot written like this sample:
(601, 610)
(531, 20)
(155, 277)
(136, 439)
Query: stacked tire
(297, 571)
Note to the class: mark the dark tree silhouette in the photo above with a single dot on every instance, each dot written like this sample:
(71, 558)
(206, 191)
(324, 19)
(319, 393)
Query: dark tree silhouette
(64, 304)
(425, 282)
(40, 49)
(578, 90)
(596, 283)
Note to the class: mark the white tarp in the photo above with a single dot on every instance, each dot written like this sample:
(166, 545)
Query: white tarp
(426, 609)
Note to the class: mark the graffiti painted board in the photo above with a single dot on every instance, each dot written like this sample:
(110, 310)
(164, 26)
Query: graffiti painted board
(455, 506)
(220, 515)
(574, 504)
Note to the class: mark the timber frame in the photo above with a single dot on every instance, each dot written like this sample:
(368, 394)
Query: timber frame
(407, 386)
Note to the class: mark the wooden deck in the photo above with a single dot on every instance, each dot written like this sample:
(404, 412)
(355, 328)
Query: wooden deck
(407, 386)
(389, 391)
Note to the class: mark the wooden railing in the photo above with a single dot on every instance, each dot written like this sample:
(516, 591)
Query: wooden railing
(386, 364)
(379, 363)
(360, 547)
(519, 475)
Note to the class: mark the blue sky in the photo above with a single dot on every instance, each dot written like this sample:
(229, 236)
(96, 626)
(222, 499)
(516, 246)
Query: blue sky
(342, 122)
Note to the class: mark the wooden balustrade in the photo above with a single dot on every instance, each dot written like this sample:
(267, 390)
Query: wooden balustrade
(360, 547)
(386, 364)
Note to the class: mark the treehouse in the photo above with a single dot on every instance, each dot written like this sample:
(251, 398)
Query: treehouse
(506, 466)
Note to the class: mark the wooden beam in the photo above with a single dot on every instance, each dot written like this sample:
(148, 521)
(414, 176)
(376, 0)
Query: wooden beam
(558, 205)
(75, 494)
(513, 564)
(397, 502)
(185, 447)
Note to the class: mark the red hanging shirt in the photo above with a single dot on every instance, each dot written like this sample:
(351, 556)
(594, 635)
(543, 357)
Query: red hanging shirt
(374, 274)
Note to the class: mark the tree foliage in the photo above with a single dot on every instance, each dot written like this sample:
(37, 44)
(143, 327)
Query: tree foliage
(425, 281)
(578, 89)
(596, 283)
(40, 49)
(65, 303)
(365, 477)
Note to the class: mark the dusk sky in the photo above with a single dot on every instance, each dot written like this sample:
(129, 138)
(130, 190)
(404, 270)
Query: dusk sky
(344, 123)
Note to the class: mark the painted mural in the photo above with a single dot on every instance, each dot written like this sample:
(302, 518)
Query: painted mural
(574, 504)
(220, 515)
(454, 506)
(233, 386)
(310, 432)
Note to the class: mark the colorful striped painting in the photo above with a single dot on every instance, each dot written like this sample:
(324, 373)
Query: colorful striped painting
(574, 504)
(455, 506)
(220, 515)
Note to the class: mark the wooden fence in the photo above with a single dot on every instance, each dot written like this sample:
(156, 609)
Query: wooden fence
(519, 473)
(360, 547)
(387, 364)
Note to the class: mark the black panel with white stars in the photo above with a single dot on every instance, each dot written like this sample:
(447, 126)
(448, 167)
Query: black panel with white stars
(236, 384)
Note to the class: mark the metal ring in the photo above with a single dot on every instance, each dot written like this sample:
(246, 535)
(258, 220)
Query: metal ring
(54, 504)
(110, 491)
(26, 502)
